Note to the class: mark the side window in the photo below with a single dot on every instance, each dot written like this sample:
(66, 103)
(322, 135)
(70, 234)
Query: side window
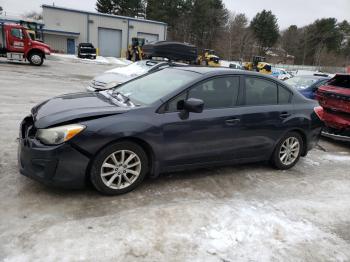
(217, 93)
(172, 104)
(284, 95)
(260, 91)
(15, 32)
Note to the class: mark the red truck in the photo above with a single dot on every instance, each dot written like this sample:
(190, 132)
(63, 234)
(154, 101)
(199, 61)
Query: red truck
(16, 45)
(334, 98)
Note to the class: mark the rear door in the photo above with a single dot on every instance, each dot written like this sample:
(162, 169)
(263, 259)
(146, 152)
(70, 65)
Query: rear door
(266, 110)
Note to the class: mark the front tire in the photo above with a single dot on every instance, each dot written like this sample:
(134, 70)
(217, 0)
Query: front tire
(36, 59)
(119, 168)
(287, 151)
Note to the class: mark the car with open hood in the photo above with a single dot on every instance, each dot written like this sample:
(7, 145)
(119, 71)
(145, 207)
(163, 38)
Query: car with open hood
(119, 75)
(334, 97)
(173, 119)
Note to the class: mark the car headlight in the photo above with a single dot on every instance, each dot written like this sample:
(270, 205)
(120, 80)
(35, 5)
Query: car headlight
(58, 135)
(111, 85)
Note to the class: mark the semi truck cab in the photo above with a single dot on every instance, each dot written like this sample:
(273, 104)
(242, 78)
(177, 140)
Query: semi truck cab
(17, 45)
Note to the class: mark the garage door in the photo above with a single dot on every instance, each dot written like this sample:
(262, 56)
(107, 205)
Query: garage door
(109, 42)
(149, 38)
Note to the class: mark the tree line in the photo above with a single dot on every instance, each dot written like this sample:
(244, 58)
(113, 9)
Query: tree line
(208, 24)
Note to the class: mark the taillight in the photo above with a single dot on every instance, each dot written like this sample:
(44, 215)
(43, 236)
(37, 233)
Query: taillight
(319, 112)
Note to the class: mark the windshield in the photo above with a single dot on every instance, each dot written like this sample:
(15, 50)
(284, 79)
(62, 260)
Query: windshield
(301, 82)
(152, 87)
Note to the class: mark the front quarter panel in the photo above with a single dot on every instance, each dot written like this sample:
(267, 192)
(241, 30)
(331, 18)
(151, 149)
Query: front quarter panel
(138, 124)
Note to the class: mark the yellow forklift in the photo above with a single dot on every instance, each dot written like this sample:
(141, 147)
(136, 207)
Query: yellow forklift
(134, 52)
(208, 58)
(258, 64)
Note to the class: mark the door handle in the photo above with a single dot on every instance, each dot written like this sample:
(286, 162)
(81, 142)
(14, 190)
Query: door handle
(232, 121)
(285, 115)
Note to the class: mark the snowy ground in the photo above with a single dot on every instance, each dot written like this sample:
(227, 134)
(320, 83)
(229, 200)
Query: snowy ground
(98, 60)
(238, 213)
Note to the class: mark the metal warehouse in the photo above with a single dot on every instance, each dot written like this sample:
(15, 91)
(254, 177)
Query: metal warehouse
(65, 28)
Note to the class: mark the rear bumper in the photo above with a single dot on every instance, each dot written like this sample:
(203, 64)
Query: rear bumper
(336, 120)
(335, 136)
(83, 55)
(60, 165)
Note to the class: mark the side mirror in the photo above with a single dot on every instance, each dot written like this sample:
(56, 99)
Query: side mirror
(193, 105)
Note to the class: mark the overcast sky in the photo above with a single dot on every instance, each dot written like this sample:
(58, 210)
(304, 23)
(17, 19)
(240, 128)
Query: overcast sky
(299, 12)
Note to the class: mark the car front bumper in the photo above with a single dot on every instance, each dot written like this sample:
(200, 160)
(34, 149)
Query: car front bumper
(91, 89)
(61, 165)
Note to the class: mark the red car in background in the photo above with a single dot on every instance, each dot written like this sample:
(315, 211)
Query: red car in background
(334, 98)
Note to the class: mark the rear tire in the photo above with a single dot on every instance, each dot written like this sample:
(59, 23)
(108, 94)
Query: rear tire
(119, 168)
(288, 151)
(36, 58)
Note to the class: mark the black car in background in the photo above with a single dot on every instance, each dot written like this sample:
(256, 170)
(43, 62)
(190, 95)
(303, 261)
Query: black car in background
(86, 50)
(307, 85)
(173, 119)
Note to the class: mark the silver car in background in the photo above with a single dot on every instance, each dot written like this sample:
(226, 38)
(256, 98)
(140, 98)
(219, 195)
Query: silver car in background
(116, 76)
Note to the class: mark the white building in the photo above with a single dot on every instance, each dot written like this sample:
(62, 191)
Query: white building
(65, 28)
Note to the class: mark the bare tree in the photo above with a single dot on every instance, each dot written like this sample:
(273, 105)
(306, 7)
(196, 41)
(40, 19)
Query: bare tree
(237, 40)
(33, 15)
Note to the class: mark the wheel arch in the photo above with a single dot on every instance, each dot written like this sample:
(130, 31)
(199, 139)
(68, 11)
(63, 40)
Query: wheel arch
(35, 50)
(303, 136)
(140, 142)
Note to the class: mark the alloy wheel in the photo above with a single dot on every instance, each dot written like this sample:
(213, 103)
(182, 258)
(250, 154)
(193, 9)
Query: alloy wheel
(289, 151)
(120, 169)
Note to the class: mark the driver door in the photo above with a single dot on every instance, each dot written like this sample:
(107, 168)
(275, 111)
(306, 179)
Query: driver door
(16, 40)
(210, 136)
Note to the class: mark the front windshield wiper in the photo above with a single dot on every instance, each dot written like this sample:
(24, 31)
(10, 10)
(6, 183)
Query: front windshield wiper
(121, 97)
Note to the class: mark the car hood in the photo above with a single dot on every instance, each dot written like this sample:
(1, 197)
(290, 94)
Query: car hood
(41, 44)
(112, 77)
(74, 106)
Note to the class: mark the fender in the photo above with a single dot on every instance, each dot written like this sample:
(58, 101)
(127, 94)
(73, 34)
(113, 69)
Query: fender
(45, 50)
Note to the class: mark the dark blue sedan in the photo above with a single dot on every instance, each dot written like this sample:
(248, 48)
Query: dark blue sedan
(307, 85)
(172, 119)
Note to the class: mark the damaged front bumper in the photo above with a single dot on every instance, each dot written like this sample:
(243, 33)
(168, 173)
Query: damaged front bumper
(60, 165)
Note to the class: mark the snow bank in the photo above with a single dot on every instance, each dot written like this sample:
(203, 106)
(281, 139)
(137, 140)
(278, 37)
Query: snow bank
(98, 60)
(131, 70)
(225, 63)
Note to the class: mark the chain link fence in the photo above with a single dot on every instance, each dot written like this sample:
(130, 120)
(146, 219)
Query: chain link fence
(325, 69)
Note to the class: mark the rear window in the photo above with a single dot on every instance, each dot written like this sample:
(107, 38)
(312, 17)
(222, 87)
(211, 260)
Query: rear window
(340, 81)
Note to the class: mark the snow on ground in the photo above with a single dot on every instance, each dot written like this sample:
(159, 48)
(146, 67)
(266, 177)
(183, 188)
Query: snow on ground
(225, 63)
(98, 60)
(232, 230)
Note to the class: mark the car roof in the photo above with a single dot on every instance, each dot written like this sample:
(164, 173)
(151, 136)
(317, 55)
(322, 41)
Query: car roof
(313, 76)
(220, 70)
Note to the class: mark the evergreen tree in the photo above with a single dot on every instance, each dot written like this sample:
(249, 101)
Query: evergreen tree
(173, 12)
(265, 28)
(121, 7)
(208, 20)
(105, 6)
